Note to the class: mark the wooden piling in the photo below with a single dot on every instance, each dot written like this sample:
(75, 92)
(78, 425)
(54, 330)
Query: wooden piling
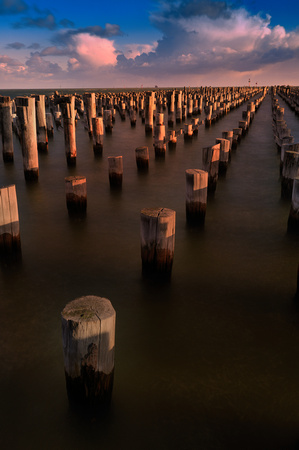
(88, 339)
(224, 154)
(49, 123)
(196, 195)
(172, 139)
(27, 120)
(159, 138)
(293, 219)
(157, 240)
(142, 158)
(76, 195)
(149, 113)
(290, 171)
(69, 116)
(115, 165)
(98, 135)
(188, 131)
(6, 128)
(210, 159)
(41, 124)
(10, 242)
(108, 121)
(90, 108)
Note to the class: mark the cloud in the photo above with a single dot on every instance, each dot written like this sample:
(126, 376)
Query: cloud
(34, 46)
(39, 65)
(47, 21)
(9, 65)
(94, 50)
(133, 50)
(8, 7)
(202, 36)
(16, 45)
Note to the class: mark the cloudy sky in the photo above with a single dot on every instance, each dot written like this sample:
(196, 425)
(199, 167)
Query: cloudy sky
(119, 43)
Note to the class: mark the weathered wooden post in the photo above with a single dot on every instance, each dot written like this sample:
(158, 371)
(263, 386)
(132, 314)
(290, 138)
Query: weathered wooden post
(149, 113)
(237, 134)
(115, 165)
(49, 123)
(90, 108)
(188, 131)
(69, 116)
(228, 135)
(142, 158)
(108, 121)
(293, 220)
(6, 128)
(76, 196)
(224, 154)
(210, 158)
(195, 125)
(172, 139)
(41, 124)
(159, 136)
(171, 113)
(179, 113)
(26, 115)
(196, 195)
(88, 339)
(290, 171)
(157, 240)
(98, 135)
(10, 242)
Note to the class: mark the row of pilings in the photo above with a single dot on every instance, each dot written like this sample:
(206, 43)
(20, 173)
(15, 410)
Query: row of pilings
(289, 155)
(88, 323)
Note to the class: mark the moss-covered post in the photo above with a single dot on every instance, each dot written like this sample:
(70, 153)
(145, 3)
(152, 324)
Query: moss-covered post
(88, 340)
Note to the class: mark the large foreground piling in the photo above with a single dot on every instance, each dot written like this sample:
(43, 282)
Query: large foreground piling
(293, 220)
(157, 240)
(88, 337)
(142, 158)
(41, 123)
(69, 116)
(196, 195)
(27, 120)
(76, 196)
(98, 135)
(6, 128)
(115, 166)
(10, 242)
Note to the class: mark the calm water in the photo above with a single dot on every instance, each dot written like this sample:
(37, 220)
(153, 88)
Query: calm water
(207, 361)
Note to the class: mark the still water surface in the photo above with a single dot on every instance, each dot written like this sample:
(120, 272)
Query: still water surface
(206, 361)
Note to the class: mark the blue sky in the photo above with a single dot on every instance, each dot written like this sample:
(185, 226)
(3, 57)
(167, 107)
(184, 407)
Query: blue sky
(151, 42)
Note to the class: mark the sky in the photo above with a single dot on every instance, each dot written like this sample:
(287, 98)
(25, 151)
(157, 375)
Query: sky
(123, 44)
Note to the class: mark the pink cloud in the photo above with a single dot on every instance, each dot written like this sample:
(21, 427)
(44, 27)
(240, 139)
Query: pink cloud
(94, 50)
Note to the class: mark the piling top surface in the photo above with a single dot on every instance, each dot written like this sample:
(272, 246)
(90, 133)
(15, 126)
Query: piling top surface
(75, 178)
(157, 212)
(88, 308)
(195, 171)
